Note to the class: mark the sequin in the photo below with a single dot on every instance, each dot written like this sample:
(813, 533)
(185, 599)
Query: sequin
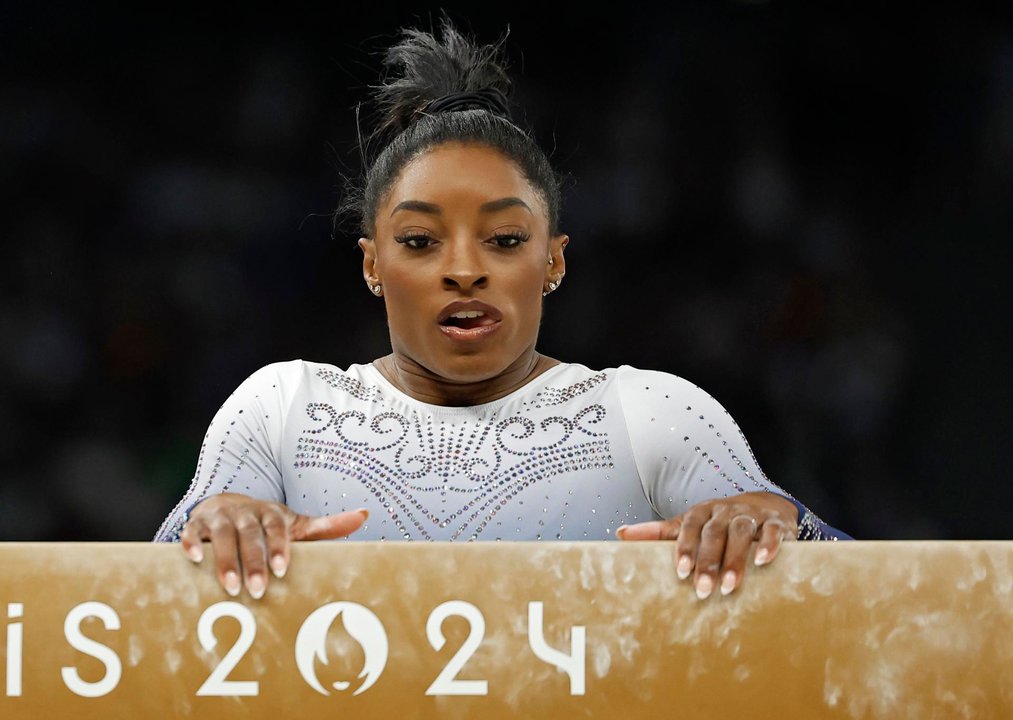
(557, 396)
(353, 387)
(465, 473)
(398, 457)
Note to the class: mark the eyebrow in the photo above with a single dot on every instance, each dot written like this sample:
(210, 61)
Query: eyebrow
(489, 207)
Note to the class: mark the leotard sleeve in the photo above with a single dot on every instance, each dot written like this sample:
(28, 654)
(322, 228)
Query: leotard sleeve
(241, 449)
(688, 449)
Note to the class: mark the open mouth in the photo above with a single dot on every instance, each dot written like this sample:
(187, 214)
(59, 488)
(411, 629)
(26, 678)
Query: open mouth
(468, 320)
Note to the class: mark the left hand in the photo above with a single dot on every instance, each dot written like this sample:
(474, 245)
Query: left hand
(714, 537)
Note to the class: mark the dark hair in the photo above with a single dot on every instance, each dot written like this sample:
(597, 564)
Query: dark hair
(425, 72)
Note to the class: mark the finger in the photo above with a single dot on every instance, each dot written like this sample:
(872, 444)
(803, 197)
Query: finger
(713, 538)
(651, 530)
(195, 532)
(252, 552)
(327, 527)
(689, 540)
(223, 544)
(741, 531)
(276, 524)
(772, 533)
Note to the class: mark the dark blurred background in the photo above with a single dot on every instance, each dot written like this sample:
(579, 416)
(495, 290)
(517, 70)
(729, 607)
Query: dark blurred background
(806, 213)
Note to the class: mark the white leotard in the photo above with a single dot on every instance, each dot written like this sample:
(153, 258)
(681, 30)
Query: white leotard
(572, 455)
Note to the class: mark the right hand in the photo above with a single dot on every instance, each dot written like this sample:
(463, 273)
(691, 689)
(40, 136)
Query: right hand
(246, 535)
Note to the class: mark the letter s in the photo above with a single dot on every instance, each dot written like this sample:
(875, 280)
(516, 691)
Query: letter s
(105, 655)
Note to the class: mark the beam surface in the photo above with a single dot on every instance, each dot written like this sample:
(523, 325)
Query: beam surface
(830, 630)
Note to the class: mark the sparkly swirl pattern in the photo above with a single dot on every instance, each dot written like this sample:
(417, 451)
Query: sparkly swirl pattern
(474, 466)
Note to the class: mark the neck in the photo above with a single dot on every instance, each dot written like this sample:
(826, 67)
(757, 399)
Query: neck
(426, 386)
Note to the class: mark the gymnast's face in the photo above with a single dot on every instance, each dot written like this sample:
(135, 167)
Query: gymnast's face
(462, 253)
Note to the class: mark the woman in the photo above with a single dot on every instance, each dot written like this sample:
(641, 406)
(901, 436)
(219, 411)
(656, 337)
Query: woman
(465, 431)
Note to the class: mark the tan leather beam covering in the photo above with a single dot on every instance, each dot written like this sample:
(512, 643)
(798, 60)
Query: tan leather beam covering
(834, 630)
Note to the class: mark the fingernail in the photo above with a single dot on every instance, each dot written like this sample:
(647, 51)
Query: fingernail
(231, 583)
(278, 566)
(684, 567)
(704, 586)
(256, 586)
(762, 557)
(728, 582)
(620, 532)
(365, 513)
(195, 553)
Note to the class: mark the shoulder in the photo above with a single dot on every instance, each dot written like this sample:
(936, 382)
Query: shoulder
(566, 381)
(287, 376)
(565, 372)
(633, 379)
(285, 373)
(664, 392)
(634, 387)
(629, 380)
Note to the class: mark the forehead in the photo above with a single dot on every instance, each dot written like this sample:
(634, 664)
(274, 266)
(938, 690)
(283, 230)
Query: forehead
(461, 174)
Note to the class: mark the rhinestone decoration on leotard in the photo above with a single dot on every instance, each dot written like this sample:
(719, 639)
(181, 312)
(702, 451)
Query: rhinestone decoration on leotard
(551, 396)
(192, 497)
(477, 467)
(350, 385)
(472, 473)
(809, 524)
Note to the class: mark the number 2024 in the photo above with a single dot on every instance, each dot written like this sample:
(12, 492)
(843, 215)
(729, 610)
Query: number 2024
(360, 622)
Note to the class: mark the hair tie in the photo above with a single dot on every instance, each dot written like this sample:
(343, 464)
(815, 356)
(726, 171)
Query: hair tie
(491, 99)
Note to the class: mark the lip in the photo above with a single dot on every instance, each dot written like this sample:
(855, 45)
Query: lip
(469, 334)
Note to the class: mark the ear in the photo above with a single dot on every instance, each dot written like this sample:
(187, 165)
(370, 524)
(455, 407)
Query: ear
(368, 248)
(556, 269)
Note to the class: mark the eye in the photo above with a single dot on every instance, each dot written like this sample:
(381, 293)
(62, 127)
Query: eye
(415, 241)
(509, 240)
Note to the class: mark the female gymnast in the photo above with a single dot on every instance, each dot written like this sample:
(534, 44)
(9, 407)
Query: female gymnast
(465, 431)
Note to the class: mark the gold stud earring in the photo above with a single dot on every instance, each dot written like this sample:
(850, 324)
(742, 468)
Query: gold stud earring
(377, 289)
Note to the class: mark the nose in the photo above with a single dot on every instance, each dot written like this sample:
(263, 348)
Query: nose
(463, 269)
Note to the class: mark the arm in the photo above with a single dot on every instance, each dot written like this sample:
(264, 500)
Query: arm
(236, 499)
(810, 527)
(699, 474)
(240, 449)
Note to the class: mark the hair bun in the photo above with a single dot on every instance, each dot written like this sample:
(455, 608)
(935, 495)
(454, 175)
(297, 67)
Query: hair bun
(438, 90)
(492, 100)
(429, 74)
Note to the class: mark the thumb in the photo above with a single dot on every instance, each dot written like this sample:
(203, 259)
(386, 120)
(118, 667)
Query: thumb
(328, 527)
(651, 530)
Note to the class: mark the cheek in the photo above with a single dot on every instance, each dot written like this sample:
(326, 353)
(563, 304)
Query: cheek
(404, 297)
(528, 293)
(525, 283)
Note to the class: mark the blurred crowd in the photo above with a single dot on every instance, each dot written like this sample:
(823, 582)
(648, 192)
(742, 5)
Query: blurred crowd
(805, 214)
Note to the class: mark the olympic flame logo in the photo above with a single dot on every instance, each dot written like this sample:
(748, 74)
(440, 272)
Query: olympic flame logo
(361, 624)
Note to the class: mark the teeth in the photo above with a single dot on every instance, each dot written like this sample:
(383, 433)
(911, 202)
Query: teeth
(463, 314)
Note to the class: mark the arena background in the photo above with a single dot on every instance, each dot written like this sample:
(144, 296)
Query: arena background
(806, 213)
